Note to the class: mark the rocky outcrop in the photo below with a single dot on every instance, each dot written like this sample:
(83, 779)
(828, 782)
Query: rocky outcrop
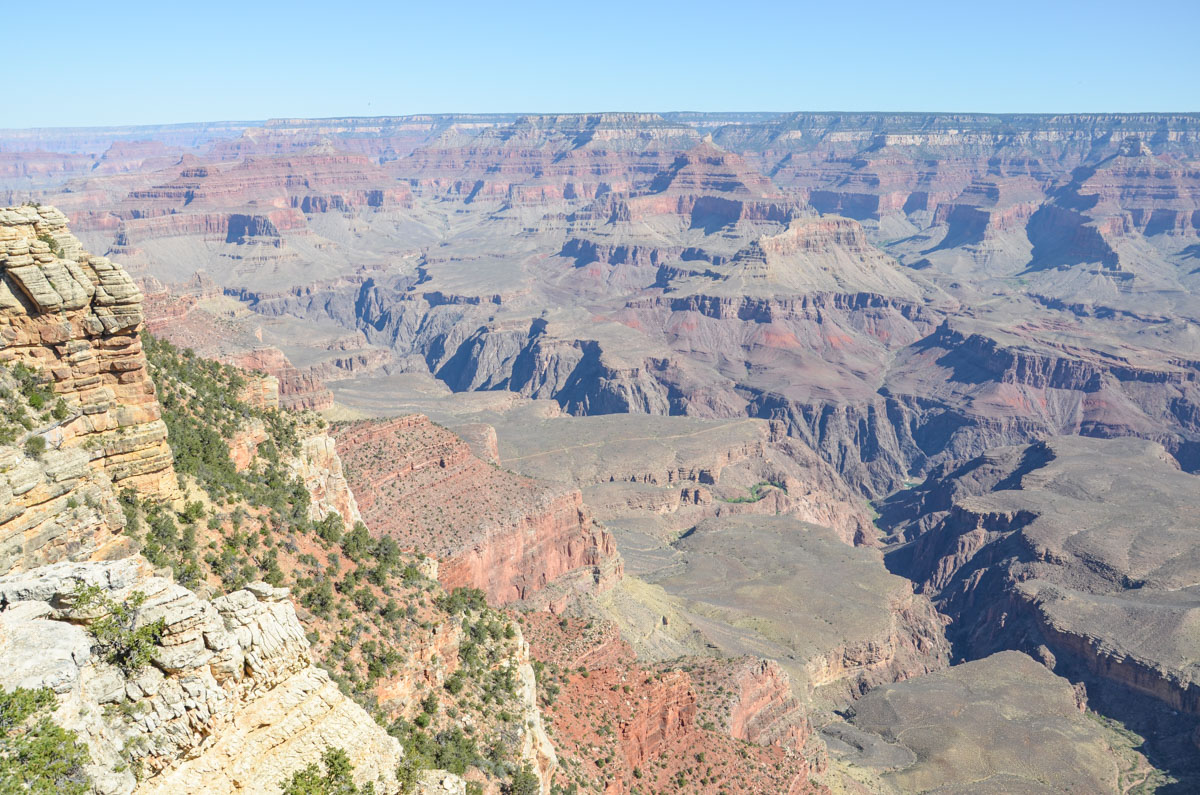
(73, 320)
(59, 507)
(536, 749)
(684, 469)
(765, 711)
(752, 700)
(297, 389)
(320, 469)
(637, 725)
(230, 703)
(243, 444)
(670, 713)
(913, 644)
(513, 537)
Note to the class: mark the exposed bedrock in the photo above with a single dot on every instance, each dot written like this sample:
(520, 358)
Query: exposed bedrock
(514, 537)
(1080, 552)
(889, 388)
(297, 389)
(675, 471)
(775, 587)
(73, 319)
(230, 703)
(1003, 724)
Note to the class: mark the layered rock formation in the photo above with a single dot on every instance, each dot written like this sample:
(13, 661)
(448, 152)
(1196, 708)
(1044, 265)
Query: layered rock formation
(667, 473)
(892, 293)
(1080, 552)
(774, 587)
(512, 537)
(752, 699)
(72, 319)
(625, 725)
(231, 701)
(297, 390)
(319, 467)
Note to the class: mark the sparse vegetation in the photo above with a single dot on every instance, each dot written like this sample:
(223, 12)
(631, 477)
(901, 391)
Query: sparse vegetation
(334, 776)
(37, 755)
(122, 641)
(35, 446)
(758, 492)
(55, 248)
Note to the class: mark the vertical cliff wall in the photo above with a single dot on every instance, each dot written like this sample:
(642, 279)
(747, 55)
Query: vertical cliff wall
(73, 320)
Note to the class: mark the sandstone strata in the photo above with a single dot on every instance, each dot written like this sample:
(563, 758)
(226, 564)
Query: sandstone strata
(320, 469)
(230, 703)
(73, 319)
(297, 390)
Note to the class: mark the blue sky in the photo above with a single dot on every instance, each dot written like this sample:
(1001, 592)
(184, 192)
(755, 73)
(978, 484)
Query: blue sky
(96, 63)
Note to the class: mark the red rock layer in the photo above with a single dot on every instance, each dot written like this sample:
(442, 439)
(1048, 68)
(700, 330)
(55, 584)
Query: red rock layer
(297, 389)
(514, 537)
(712, 724)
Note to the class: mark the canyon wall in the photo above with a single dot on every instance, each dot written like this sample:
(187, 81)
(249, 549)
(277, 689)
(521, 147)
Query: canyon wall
(230, 700)
(1079, 552)
(513, 537)
(72, 319)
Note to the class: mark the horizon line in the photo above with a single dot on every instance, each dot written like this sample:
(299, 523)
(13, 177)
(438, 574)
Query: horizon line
(664, 113)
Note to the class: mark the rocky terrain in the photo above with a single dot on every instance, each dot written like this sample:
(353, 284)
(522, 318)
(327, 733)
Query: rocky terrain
(228, 698)
(228, 655)
(1076, 551)
(882, 399)
(231, 703)
(972, 729)
(507, 535)
(622, 725)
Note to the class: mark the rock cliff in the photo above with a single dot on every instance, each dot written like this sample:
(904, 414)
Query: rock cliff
(71, 321)
(231, 701)
(624, 725)
(74, 318)
(513, 537)
(1080, 552)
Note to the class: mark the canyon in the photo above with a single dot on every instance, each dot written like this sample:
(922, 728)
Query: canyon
(826, 436)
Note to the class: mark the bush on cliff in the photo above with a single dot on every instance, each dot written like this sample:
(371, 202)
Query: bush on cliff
(337, 778)
(122, 642)
(36, 754)
(524, 782)
(35, 446)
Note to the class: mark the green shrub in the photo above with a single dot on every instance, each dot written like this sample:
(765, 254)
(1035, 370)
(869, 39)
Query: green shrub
(35, 446)
(331, 527)
(36, 754)
(462, 600)
(121, 641)
(524, 782)
(55, 248)
(337, 778)
(357, 543)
